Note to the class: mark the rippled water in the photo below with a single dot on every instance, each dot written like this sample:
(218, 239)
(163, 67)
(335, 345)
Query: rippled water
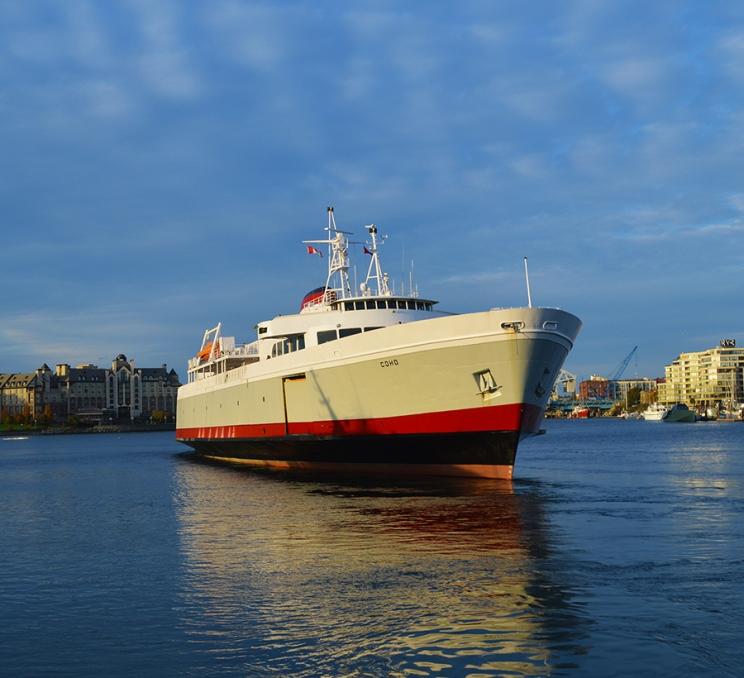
(618, 550)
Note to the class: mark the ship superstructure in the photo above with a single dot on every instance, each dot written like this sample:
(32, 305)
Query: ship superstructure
(372, 380)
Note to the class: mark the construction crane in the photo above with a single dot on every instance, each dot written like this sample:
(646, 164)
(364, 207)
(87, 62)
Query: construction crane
(623, 365)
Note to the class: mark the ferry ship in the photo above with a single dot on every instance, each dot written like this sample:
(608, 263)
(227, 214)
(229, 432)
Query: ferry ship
(370, 380)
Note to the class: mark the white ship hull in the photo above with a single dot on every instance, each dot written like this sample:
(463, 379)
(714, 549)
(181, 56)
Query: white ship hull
(451, 395)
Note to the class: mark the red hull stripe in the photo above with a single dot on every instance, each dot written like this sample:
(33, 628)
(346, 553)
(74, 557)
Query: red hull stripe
(516, 417)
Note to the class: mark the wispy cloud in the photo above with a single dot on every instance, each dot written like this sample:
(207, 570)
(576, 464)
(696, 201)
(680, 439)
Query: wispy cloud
(165, 62)
(169, 154)
(250, 34)
(477, 278)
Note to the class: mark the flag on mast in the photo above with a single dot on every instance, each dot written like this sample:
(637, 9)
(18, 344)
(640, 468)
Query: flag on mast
(314, 250)
(366, 251)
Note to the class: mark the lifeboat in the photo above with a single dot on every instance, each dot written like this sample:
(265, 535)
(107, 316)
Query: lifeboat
(206, 351)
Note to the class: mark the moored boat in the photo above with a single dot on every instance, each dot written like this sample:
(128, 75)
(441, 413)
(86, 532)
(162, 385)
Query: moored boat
(374, 380)
(680, 413)
(654, 412)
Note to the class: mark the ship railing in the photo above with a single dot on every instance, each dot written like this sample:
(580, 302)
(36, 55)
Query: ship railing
(247, 352)
(244, 350)
(322, 302)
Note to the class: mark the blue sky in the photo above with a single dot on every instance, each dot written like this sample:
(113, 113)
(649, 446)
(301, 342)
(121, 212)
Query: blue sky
(161, 162)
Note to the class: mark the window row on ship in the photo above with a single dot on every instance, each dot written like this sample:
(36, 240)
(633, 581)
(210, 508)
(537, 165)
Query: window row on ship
(296, 342)
(372, 304)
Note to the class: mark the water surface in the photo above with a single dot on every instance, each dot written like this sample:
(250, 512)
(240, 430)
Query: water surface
(618, 550)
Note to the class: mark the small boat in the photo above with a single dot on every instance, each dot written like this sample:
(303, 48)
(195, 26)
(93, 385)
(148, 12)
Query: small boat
(680, 413)
(579, 412)
(655, 412)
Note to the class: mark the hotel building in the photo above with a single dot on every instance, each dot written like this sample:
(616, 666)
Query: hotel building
(123, 393)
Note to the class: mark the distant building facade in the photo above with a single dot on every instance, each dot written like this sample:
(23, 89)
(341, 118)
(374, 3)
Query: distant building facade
(594, 388)
(705, 378)
(619, 388)
(600, 388)
(22, 394)
(123, 393)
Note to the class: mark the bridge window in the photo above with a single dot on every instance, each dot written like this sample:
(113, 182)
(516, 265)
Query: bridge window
(294, 342)
(370, 304)
(411, 305)
(348, 305)
(401, 304)
(419, 305)
(348, 331)
(381, 303)
(369, 329)
(326, 336)
(359, 305)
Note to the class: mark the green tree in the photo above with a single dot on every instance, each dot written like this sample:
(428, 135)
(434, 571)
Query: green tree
(634, 397)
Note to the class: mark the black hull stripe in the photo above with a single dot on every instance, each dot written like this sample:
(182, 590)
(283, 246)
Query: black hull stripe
(488, 448)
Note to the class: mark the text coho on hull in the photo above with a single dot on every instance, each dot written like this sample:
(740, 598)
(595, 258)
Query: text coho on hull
(374, 380)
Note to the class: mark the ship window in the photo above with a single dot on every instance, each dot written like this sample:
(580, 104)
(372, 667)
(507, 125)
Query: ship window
(428, 307)
(381, 303)
(349, 306)
(369, 329)
(348, 331)
(419, 305)
(326, 336)
(262, 330)
(370, 305)
(401, 303)
(280, 348)
(411, 305)
(359, 305)
(390, 303)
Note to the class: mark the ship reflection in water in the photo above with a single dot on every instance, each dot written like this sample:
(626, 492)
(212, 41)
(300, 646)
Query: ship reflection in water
(288, 575)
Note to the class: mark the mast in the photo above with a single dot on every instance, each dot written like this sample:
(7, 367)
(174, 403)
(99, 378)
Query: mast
(375, 272)
(337, 281)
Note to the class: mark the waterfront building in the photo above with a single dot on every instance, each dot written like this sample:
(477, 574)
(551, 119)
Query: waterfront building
(123, 393)
(619, 388)
(22, 393)
(701, 379)
(649, 397)
(595, 387)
